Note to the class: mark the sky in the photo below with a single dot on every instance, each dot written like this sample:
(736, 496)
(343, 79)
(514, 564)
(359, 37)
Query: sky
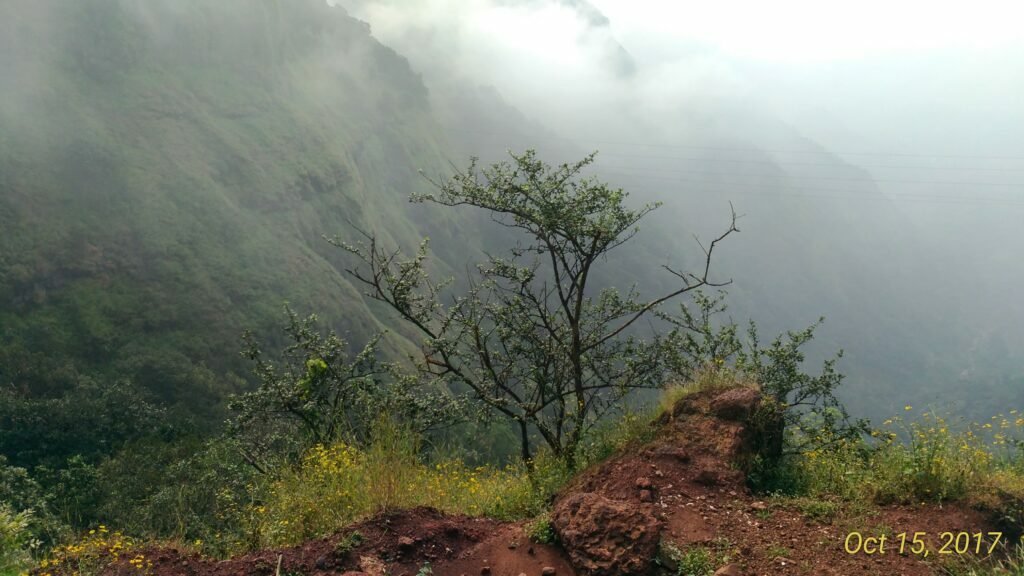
(815, 65)
(912, 91)
(798, 31)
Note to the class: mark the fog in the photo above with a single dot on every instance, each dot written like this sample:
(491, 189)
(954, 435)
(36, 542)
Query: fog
(876, 152)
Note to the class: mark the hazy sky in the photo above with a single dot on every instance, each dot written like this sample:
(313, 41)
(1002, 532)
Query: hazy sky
(809, 30)
(951, 75)
(925, 95)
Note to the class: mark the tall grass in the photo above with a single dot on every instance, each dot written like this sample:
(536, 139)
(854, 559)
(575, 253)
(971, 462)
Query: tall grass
(336, 485)
(923, 460)
(1011, 565)
(711, 377)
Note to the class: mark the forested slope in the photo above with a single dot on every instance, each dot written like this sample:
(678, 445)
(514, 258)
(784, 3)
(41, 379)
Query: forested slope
(167, 171)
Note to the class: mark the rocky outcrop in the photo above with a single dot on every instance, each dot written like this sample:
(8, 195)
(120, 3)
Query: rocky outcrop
(606, 537)
(736, 404)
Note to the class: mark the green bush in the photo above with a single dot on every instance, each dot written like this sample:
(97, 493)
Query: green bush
(709, 354)
(190, 490)
(316, 392)
(22, 492)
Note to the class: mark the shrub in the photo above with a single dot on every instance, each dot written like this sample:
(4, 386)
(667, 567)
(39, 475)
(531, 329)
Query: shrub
(541, 530)
(711, 354)
(317, 392)
(14, 540)
(22, 492)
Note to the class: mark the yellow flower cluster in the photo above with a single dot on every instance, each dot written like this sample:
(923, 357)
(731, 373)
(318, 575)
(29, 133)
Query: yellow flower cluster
(90, 553)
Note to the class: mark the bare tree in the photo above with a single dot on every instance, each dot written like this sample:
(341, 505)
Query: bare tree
(531, 338)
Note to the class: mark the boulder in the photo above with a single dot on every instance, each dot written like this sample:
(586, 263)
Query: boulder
(736, 404)
(604, 537)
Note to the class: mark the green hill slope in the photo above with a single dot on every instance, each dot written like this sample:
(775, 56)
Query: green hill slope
(167, 170)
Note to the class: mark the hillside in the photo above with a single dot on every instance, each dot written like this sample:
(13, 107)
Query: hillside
(168, 171)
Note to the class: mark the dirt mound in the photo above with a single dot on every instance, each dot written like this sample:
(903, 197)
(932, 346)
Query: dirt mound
(689, 480)
(695, 451)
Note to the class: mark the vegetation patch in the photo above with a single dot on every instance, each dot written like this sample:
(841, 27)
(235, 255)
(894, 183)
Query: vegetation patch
(691, 561)
(336, 485)
(541, 530)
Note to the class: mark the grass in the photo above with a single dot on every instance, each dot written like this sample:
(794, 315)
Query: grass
(337, 485)
(696, 560)
(348, 543)
(711, 378)
(776, 551)
(1011, 565)
(923, 460)
(818, 509)
(331, 487)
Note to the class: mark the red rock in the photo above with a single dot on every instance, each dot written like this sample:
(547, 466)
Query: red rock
(604, 537)
(736, 404)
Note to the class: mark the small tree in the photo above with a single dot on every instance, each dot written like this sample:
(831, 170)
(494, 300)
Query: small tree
(319, 393)
(532, 338)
